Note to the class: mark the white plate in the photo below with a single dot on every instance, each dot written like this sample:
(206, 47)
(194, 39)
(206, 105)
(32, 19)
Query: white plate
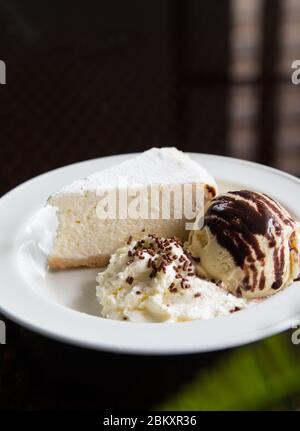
(62, 305)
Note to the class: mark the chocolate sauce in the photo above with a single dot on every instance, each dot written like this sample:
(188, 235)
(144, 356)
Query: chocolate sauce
(262, 281)
(236, 223)
(269, 202)
(229, 240)
(254, 272)
(278, 268)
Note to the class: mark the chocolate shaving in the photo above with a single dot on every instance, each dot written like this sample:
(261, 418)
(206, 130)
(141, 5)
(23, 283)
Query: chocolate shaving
(235, 309)
(129, 280)
(172, 288)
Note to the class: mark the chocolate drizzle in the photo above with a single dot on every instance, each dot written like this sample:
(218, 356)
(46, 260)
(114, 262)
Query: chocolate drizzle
(237, 219)
(262, 281)
(278, 268)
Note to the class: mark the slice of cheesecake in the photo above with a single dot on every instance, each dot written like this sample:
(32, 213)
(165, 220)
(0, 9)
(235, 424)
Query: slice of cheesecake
(89, 232)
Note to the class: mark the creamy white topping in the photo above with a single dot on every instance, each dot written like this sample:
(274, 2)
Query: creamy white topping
(154, 280)
(155, 166)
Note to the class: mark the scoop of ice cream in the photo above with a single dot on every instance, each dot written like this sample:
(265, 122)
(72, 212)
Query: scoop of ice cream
(154, 280)
(249, 241)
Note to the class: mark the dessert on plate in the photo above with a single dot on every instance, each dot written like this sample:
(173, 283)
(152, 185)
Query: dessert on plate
(250, 242)
(246, 250)
(243, 246)
(154, 280)
(85, 239)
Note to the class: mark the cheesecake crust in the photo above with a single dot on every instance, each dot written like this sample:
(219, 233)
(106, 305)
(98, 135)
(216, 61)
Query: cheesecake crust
(58, 263)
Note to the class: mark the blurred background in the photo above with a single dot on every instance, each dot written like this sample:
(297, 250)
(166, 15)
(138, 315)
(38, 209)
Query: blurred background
(101, 78)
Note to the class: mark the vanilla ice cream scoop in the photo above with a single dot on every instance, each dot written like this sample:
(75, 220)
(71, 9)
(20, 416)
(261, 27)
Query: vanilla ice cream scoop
(248, 241)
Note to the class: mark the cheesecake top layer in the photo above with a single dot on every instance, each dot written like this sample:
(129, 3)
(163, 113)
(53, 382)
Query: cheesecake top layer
(155, 166)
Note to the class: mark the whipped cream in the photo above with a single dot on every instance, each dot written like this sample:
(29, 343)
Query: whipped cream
(154, 280)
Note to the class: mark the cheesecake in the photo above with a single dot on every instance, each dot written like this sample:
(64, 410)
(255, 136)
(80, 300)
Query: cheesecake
(91, 222)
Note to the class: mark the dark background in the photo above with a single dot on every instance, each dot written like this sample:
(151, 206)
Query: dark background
(89, 79)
